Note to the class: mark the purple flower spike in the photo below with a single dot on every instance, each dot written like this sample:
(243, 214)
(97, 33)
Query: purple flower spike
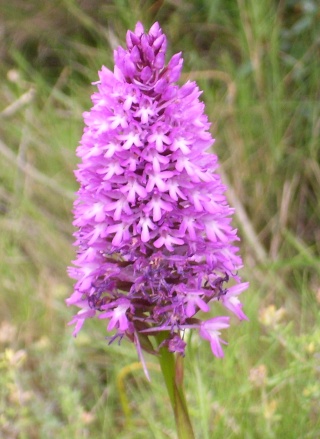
(155, 244)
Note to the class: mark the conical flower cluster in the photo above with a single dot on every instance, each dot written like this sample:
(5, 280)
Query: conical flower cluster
(155, 244)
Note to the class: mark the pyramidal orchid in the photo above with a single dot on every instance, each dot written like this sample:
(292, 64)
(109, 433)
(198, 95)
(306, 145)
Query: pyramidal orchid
(154, 235)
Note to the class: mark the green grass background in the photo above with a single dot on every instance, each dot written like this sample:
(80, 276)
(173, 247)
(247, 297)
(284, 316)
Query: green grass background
(258, 64)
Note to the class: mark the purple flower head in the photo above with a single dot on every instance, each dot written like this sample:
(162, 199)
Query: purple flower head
(155, 243)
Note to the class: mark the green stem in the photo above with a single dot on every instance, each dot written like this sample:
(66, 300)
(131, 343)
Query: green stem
(172, 371)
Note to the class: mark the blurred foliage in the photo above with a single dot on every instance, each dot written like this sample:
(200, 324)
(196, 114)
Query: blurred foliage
(258, 64)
